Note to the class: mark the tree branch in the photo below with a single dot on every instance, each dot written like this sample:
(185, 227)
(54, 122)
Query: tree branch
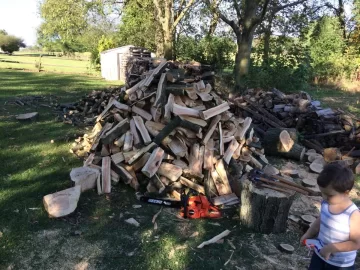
(237, 9)
(182, 14)
(231, 23)
(262, 15)
(278, 8)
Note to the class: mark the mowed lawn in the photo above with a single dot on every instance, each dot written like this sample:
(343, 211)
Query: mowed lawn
(22, 61)
(96, 236)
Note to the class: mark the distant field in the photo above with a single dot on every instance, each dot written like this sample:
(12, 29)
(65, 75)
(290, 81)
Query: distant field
(27, 61)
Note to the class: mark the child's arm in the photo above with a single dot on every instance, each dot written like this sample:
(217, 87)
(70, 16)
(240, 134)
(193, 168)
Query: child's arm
(352, 244)
(312, 231)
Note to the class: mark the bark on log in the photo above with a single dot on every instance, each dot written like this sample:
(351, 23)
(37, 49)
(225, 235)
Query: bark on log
(264, 210)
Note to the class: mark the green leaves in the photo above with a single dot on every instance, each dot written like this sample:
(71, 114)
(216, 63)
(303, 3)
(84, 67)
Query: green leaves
(10, 43)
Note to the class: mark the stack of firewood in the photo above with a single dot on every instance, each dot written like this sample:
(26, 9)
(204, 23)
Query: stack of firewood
(320, 127)
(171, 130)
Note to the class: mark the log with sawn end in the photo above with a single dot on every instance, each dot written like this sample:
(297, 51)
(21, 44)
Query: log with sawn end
(168, 108)
(214, 111)
(142, 129)
(259, 116)
(220, 169)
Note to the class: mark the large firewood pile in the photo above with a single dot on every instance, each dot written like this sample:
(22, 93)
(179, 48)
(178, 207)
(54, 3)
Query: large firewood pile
(169, 131)
(320, 127)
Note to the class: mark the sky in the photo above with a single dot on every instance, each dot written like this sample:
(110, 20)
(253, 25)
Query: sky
(20, 18)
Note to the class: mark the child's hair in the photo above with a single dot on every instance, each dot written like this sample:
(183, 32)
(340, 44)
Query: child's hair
(339, 177)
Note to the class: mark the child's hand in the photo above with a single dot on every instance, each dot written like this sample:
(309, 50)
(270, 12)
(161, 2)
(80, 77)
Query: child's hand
(325, 252)
(304, 237)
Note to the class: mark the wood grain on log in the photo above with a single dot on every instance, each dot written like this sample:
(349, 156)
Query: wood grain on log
(153, 163)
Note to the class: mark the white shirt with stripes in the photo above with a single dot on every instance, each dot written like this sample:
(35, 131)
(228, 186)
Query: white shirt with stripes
(335, 228)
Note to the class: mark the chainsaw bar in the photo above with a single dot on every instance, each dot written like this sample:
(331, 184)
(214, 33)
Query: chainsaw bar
(162, 202)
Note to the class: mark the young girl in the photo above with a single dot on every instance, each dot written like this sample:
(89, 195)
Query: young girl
(338, 227)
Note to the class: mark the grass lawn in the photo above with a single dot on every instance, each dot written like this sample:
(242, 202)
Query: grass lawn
(49, 63)
(95, 236)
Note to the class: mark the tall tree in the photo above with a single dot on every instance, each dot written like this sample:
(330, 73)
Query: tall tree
(168, 14)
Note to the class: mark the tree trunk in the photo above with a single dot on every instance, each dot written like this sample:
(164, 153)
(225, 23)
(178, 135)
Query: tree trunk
(341, 15)
(242, 60)
(267, 40)
(168, 44)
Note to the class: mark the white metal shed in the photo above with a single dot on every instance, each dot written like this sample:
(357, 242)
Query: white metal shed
(113, 62)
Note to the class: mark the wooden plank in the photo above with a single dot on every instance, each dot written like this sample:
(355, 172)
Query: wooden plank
(105, 173)
(214, 111)
(144, 114)
(192, 185)
(209, 155)
(220, 169)
(143, 131)
(230, 150)
(153, 163)
(180, 110)
(211, 128)
(221, 142)
(170, 171)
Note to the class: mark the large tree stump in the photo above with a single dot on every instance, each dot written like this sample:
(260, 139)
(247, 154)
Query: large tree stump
(264, 210)
(274, 147)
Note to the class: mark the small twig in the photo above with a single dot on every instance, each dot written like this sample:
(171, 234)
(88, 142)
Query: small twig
(232, 253)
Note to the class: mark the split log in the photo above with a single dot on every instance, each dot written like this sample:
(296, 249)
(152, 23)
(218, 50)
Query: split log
(169, 108)
(167, 130)
(156, 114)
(143, 131)
(144, 114)
(278, 93)
(209, 155)
(105, 174)
(116, 131)
(192, 185)
(124, 174)
(141, 162)
(214, 111)
(170, 171)
(211, 129)
(221, 142)
(117, 158)
(128, 143)
(196, 121)
(178, 147)
(222, 181)
(180, 110)
(62, 203)
(214, 239)
(241, 130)
(160, 93)
(140, 153)
(27, 116)
(230, 150)
(153, 163)
(264, 210)
(196, 159)
(332, 154)
(265, 112)
(84, 177)
(134, 132)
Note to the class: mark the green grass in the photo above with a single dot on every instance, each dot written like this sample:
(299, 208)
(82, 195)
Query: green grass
(49, 63)
(31, 167)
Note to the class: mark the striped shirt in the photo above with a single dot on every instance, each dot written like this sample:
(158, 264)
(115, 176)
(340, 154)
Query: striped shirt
(335, 228)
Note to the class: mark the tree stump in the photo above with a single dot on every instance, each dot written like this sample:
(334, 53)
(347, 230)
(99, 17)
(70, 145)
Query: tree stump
(274, 147)
(264, 210)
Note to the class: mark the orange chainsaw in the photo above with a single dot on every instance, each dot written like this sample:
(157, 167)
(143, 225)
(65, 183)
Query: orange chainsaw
(197, 206)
